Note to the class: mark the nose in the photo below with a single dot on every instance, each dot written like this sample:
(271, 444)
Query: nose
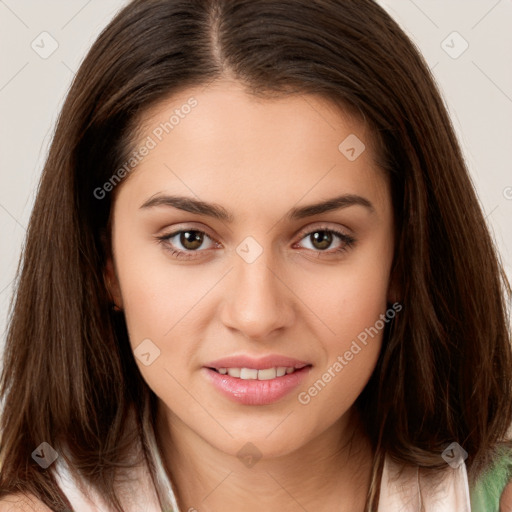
(258, 301)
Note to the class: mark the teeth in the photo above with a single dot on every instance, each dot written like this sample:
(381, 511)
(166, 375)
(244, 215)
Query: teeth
(247, 373)
(253, 374)
(234, 372)
(269, 373)
(281, 371)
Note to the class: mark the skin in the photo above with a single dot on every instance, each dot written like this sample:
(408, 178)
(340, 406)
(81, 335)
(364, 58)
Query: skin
(506, 499)
(257, 159)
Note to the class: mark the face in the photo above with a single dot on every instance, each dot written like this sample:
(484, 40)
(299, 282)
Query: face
(254, 316)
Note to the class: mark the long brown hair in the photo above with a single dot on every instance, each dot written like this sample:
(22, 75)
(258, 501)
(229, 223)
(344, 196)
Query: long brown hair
(444, 372)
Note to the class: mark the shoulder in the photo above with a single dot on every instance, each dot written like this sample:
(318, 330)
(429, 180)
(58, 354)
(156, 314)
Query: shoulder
(22, 503)
(506, 499)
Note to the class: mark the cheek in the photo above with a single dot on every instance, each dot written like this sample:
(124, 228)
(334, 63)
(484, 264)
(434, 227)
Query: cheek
(164, 306)
(156, 293)
(349, 297)
(358, 318)
(353, 304)
(158, 304)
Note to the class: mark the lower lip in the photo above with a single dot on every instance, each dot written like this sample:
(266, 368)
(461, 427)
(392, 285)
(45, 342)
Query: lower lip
(256, 392)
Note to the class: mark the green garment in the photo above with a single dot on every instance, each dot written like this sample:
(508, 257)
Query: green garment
(486, 494)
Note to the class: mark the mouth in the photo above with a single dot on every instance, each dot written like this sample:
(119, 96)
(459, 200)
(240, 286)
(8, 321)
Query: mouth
(256, 382)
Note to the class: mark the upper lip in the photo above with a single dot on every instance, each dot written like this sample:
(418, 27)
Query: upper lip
(270, 361)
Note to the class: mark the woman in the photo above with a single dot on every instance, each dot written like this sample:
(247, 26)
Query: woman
(256, 277)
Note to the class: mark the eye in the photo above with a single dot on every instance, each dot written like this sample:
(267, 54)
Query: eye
(322, 238)
(190, 241)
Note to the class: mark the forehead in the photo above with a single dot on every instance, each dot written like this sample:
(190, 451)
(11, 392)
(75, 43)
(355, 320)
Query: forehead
(220, 141)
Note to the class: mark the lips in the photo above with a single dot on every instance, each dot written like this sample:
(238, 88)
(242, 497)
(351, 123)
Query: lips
(251, 381)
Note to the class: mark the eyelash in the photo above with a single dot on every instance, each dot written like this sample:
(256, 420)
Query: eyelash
(348, 242)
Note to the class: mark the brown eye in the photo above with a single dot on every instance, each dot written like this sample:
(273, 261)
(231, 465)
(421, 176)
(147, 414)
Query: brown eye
(187, 243)
(191, 240)
(321, 239)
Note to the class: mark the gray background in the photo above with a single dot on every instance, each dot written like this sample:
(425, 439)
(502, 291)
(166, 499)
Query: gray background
(476, 84)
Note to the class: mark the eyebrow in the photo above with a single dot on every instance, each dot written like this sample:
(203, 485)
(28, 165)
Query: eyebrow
(216, 211)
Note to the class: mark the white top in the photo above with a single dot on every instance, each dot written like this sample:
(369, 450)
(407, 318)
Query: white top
(408, 491)
(139, 494)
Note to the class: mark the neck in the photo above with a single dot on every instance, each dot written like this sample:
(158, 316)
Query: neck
(330, 472)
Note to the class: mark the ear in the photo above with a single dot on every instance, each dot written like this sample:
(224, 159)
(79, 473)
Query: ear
(112, 284)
